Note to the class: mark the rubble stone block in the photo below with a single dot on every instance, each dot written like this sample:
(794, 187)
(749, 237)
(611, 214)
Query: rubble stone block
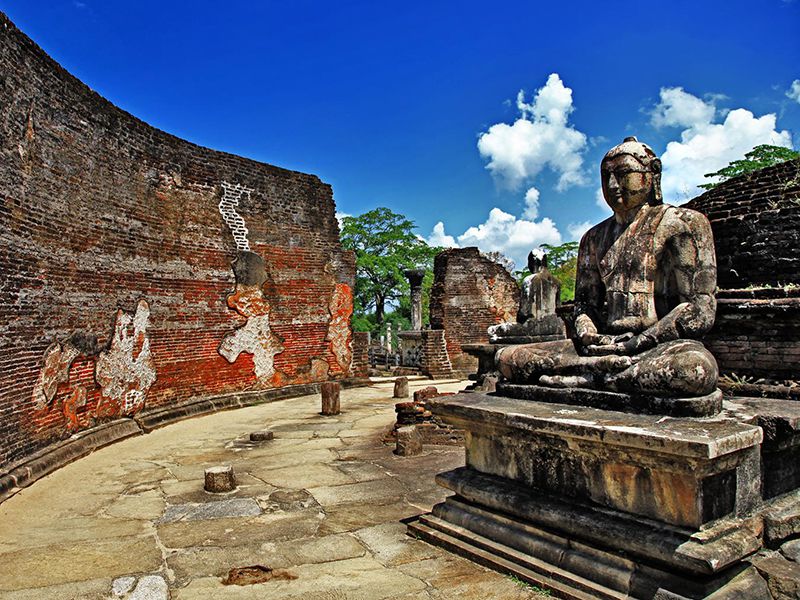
(330, 398)
(409, 441)
(783, 576)
(262, 436)
(401, 387)
(220, 479)
(426, 394)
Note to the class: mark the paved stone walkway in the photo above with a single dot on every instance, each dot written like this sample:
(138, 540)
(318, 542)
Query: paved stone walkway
(320, 504)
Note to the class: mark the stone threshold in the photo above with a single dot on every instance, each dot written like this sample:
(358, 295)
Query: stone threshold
(47, 460)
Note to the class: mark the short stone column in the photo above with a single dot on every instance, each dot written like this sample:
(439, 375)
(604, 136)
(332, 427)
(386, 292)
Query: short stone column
(330, 397)
(401, 387)
(264, 435)
(220, 479)
(389, 337)
(409, 441)
(415, 277)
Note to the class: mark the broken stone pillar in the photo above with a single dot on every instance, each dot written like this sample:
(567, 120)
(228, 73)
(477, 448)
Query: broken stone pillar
(262, 436)
(330, 397)
(220, 479)
(409, 441)
(401, 387)
(415, 277)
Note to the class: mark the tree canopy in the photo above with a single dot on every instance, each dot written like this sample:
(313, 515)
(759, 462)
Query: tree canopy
(758, 158)
(385, 245)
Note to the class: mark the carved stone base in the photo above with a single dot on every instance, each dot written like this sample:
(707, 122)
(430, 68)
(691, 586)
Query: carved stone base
(578, 550)
(601, 504)
(700, 406)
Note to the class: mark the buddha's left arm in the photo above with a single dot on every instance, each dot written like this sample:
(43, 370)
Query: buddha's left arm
(689, 249)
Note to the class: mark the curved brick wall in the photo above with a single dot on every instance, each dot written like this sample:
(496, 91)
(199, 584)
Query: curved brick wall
(756, 224)
(117, 292)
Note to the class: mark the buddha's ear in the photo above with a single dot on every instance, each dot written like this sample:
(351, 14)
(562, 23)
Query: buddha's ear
(544, 261)
(655, 165)
(656, 197)
(531, 262)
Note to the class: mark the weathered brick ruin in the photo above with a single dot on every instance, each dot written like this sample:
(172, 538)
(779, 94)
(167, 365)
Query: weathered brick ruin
(119, 297)
(756, 224)
(469, 293)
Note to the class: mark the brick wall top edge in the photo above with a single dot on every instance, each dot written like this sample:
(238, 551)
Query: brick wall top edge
(16, 36)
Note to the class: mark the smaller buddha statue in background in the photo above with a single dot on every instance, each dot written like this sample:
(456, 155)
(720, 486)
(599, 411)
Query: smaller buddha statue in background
(536, 319)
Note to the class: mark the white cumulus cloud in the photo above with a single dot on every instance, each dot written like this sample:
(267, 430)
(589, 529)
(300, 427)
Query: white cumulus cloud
(439, 238)
(794, 90)
(681, 109)
(502, 232)
(541, 137)
(576, 230)
(340, 217)
(706, 146)
(531, 204)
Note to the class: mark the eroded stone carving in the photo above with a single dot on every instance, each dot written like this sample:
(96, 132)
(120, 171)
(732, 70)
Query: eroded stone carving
(125, 371)
(536, 320)
(645, 287)
(341, 309)
(255, 336)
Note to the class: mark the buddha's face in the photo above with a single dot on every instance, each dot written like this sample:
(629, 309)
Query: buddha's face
(627, 184)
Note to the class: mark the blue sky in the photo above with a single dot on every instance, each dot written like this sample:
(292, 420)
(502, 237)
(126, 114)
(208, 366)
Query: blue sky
(389, 102)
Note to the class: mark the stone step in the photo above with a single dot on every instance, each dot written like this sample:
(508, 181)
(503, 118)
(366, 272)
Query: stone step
(560, 583)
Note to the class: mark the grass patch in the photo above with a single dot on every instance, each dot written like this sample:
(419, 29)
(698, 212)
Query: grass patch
(528, 586)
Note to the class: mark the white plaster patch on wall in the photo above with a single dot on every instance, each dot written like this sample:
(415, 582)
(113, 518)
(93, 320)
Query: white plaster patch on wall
(255, 338)
(55, 370)
(231, 195)
(341, 309)
(126, 370)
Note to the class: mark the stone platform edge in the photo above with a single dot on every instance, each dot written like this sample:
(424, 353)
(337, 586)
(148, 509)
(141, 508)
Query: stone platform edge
(21, 474)
(702, 438)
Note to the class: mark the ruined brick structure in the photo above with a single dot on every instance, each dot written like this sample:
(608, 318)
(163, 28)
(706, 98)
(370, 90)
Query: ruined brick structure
(756, 224)
(469, 293)
(119, 296)
(360, 362)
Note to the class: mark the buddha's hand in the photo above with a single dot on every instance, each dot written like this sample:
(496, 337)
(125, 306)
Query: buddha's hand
(587, 332)
(624, 344)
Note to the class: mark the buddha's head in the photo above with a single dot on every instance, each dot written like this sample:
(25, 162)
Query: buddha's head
(631, 176)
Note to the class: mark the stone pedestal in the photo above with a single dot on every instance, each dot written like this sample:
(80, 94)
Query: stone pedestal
(401, 387)
(330, 397)
(409, 441)
(598, 503)
(220, 479)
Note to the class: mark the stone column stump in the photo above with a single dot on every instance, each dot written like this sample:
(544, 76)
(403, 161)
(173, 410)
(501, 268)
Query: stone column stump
(263, 435)
(401, 387)
(220, 479)
(409, 441)
(330, 398)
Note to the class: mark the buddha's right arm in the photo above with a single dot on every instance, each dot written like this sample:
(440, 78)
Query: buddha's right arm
(589, 294)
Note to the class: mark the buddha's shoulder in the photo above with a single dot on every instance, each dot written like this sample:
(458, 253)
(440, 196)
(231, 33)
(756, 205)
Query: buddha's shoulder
(599, 231)
(678, 216)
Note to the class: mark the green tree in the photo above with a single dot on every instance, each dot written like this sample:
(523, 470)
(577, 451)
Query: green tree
(385, 245)
(562, 262)
(758, 158)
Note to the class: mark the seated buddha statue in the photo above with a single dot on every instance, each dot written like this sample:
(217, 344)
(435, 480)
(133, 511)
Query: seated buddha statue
(644, 293)
(536, 319)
